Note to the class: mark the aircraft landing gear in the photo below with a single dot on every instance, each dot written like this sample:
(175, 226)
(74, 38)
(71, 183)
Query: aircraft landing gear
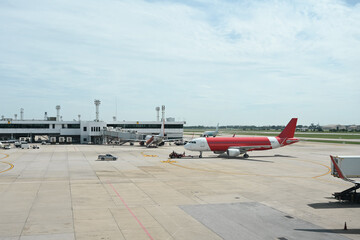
(246, 155)
(200, 156)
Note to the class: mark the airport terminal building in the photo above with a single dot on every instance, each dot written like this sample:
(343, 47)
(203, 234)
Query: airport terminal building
(54, 130)
(80, 131)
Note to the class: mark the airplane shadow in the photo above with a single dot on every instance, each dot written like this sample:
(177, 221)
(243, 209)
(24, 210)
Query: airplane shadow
(225, 156)
(334, 205)
(341, 231)
(286, 156)
(251, 158)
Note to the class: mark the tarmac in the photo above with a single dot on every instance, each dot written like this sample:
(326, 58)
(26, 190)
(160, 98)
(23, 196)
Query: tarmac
(64, 192)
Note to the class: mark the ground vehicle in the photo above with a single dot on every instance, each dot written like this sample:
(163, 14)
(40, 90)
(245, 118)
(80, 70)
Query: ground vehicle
(178, 155)
(7, 147)
(179, 142)
(35, 147)
(25, 146)
(107, 156)
(351, 164)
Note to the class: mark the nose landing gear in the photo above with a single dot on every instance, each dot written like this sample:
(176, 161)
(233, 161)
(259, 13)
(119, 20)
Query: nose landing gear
(200, 156)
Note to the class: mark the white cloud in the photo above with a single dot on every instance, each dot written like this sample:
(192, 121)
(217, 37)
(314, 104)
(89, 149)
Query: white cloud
(233, 62)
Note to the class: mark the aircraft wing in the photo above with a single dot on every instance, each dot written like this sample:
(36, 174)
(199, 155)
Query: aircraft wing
(247, 148)
(341, 174)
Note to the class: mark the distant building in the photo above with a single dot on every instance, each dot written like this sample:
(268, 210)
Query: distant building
(338, 127)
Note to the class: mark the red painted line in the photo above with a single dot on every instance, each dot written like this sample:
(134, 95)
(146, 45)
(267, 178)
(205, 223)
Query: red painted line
(141, 225)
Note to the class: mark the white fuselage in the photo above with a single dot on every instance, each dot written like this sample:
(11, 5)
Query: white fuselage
(198, 144)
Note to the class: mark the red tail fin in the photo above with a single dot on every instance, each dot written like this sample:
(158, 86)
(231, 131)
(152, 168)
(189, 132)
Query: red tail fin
(289, 130)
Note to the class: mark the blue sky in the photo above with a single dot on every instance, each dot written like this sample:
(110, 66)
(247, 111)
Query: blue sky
(233, 62)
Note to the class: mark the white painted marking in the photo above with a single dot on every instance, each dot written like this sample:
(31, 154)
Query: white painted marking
(274, 142)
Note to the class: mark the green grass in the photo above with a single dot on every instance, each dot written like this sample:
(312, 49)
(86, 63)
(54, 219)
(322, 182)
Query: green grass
(330, 141)
(333, 136)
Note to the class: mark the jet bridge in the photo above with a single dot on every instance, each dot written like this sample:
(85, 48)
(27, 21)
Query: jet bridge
(121, 137)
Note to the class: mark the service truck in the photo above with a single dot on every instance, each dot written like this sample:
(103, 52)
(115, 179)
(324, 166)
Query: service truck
(344, 167)
(349, 165)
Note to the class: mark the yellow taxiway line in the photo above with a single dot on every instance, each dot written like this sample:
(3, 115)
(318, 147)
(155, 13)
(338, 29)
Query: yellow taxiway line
(146, 155)
(10, 164)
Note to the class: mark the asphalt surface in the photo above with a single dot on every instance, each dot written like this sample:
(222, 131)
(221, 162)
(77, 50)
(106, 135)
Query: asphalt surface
(63, 192)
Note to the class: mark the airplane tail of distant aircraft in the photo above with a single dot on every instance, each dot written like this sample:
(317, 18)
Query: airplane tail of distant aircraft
(217, 128)
(289, 130)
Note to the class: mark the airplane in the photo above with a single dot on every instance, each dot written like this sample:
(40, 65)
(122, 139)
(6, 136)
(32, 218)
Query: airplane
(211, 133)
(234, 146)
(156, 140)
(144, 140)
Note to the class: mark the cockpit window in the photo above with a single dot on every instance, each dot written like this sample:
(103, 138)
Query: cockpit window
(193, 142)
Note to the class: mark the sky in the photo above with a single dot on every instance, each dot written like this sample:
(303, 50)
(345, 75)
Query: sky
(233, 62)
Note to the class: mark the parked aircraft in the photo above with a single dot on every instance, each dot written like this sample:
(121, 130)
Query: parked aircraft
(211, 133)
(234, 146)
(155, 140)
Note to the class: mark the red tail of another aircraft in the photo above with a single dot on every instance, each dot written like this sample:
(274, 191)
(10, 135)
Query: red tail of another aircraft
(289, 130)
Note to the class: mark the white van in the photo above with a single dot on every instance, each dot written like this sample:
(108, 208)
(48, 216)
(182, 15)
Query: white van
(25, 146)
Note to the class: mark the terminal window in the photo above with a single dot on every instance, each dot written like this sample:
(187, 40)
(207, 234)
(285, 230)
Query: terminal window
(95, 129)
(85, 129)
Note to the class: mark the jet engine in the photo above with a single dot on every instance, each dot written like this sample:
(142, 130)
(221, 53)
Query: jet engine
(233, 152)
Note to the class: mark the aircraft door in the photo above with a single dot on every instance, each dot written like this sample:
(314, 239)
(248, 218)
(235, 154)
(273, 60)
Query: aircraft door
(202, 144)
